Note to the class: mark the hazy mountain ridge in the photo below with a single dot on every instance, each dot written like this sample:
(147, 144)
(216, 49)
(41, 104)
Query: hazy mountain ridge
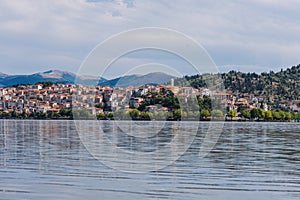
(50, 75)
(69, 77)
(138, 80)
(2, 75)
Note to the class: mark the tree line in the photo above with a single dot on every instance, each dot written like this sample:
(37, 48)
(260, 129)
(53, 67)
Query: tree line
(259, 114)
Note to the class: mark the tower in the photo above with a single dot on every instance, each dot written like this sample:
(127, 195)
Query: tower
(172, 82)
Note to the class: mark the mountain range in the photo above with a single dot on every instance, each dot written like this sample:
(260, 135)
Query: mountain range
(51, 75)
(69, 77)
(137, 80)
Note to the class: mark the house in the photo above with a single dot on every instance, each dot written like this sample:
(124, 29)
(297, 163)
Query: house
(43, 109)
(135, 101)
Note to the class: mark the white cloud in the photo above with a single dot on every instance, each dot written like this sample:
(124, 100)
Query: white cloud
(61, 33)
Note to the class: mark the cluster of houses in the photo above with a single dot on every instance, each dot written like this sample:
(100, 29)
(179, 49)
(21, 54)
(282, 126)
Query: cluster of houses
(53, 98)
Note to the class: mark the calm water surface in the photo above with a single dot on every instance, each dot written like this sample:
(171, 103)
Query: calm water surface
(47, 160)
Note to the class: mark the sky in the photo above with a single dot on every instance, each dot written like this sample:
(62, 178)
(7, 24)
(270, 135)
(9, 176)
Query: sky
(255, 36)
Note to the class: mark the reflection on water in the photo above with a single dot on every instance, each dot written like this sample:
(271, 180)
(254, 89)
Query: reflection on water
(150, 146)
(46, 159)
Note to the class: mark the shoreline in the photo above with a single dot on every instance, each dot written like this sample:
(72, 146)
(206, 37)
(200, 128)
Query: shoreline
(169, 120)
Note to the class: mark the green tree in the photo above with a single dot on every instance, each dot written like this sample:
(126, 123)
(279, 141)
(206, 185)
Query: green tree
(160, 115)
(204, 113)
(134, 113)
(109, 115)
(261, 113)
(80, 114)
(276, 115)
(297, 115)
(177, 114)
(190, 114)
(101, 116)
(204, 103)
(14, 115)
(268, 115)
(287, 116)
(254, 113)
(45, 83)
(145, 115)
(246, 114)
(184, 115)
(41, 115)
(196, 115)
(281, 114)
(66, 112)
(217, 113)
(24, 115)
(120, 114)
(231, 113)
(169, 116)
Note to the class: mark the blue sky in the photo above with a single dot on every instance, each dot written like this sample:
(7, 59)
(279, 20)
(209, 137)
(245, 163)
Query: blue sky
(257, 35)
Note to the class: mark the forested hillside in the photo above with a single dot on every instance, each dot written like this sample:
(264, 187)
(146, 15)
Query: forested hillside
(281, 86)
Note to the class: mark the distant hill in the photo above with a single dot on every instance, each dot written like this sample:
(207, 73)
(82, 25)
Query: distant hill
(69, 77)
(281, 86)
(51, 75)
(138, 80)
(3, 75)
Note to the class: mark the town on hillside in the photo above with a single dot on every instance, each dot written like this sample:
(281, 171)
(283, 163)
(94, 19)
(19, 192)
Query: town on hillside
(65, 101)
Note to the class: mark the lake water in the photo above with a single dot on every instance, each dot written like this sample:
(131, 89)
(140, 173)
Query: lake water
(58, 160)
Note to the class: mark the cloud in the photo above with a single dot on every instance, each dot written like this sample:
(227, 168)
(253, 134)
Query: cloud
(38, 34)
